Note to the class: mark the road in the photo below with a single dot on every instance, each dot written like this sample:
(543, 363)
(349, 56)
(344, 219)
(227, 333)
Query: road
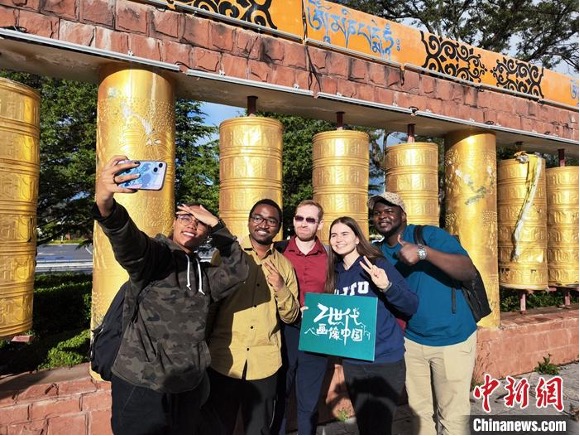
(68, 257)
(64, 257)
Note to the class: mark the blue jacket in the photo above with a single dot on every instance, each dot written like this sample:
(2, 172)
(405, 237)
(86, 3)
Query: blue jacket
(389, 344)
(435, 323)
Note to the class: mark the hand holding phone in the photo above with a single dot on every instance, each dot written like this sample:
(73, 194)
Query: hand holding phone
(151, 175)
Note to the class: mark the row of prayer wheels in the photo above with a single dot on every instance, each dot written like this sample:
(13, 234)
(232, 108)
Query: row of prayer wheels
(536, 209)
(538, 224)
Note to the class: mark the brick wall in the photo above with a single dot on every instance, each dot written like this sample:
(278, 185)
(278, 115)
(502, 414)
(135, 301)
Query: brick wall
(62, 401)
(523, 341)
(69, 401)
(210, 46)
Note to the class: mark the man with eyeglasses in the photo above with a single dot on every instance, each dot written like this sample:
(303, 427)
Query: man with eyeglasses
(245, 338)
(304, 371)
(159, 380)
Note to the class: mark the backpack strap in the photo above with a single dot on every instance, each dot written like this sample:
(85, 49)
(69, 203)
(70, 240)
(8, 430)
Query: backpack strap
(418, 235)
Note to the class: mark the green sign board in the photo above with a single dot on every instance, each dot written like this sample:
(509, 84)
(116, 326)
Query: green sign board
(340, 325)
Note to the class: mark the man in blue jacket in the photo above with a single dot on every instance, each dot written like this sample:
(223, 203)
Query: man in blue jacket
(440, 338)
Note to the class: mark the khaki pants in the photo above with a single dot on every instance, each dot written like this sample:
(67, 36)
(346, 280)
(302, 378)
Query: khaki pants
(438, 385)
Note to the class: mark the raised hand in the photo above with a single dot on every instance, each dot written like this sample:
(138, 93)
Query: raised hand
(107, 183)
(200, 213)
(377, 274)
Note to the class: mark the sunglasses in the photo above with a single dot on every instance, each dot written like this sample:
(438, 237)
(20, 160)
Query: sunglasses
(309, 220)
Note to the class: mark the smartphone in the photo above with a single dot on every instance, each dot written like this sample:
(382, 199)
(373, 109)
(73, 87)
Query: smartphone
(151, 175)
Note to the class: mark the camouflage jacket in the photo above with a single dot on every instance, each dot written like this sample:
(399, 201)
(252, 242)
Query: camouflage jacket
(163, 347)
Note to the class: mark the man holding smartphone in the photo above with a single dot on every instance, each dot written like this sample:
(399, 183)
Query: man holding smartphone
(159, 377)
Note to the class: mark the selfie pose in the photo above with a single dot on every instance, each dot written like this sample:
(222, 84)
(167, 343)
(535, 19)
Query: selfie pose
(159, 377)
(355, 267)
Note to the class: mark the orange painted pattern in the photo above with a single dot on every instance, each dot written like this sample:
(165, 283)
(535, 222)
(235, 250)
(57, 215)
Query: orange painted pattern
(335, 27)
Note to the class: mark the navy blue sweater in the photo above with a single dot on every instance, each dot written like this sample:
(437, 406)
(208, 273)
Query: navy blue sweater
(389, 345)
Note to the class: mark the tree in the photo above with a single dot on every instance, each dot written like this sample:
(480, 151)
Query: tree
(297, 161)
(543, 32)
(196, 157)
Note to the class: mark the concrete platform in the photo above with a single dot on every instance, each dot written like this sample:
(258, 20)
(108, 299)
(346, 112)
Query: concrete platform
(570, 382)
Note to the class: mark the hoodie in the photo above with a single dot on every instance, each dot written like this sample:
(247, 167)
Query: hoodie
(163, 347)
(389, 343)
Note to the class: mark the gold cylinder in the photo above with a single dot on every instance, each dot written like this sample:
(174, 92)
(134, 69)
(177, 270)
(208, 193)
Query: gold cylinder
(340, 177)
(522, 223)
(250, 168)
(19, 175)
(136, 118)
(471, 206)
(411, 172)
(562, 200)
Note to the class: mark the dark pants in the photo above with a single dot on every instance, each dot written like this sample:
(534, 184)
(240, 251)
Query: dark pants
(227, 395)
(374, 390)
(305, 374)
(138, 410)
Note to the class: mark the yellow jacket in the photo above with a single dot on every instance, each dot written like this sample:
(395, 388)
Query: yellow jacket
(246, 329)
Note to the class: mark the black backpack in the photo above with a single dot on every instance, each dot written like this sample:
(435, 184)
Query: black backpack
(473, 290)
(107, 336)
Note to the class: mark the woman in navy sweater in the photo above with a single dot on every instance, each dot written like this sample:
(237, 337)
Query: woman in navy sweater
(355, 267)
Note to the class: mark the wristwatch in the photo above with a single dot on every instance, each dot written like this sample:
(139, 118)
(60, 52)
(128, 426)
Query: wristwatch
(421, 252)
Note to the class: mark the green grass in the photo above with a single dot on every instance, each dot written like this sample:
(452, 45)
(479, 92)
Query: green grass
(547, 367)
(510, 300)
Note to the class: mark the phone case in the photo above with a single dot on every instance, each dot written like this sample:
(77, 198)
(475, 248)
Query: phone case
(151, 175)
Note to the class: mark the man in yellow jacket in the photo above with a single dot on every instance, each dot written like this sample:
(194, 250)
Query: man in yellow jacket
(245, 340)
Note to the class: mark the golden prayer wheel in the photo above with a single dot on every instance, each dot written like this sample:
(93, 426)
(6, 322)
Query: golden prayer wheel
(411, 172)
(522, 223)
(471, 206)
(340, 176)
(562, 200)
(250, 168)
(136, 118)
(19, 174)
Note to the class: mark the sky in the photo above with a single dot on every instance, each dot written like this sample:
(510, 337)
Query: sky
(216, 113)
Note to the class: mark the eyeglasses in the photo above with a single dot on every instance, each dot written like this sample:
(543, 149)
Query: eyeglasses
(258, 219)
(309, 220)
(185, 218)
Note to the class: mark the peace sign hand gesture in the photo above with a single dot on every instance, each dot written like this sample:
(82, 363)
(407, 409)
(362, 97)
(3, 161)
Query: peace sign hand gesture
(377, 274)
(273, 276)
